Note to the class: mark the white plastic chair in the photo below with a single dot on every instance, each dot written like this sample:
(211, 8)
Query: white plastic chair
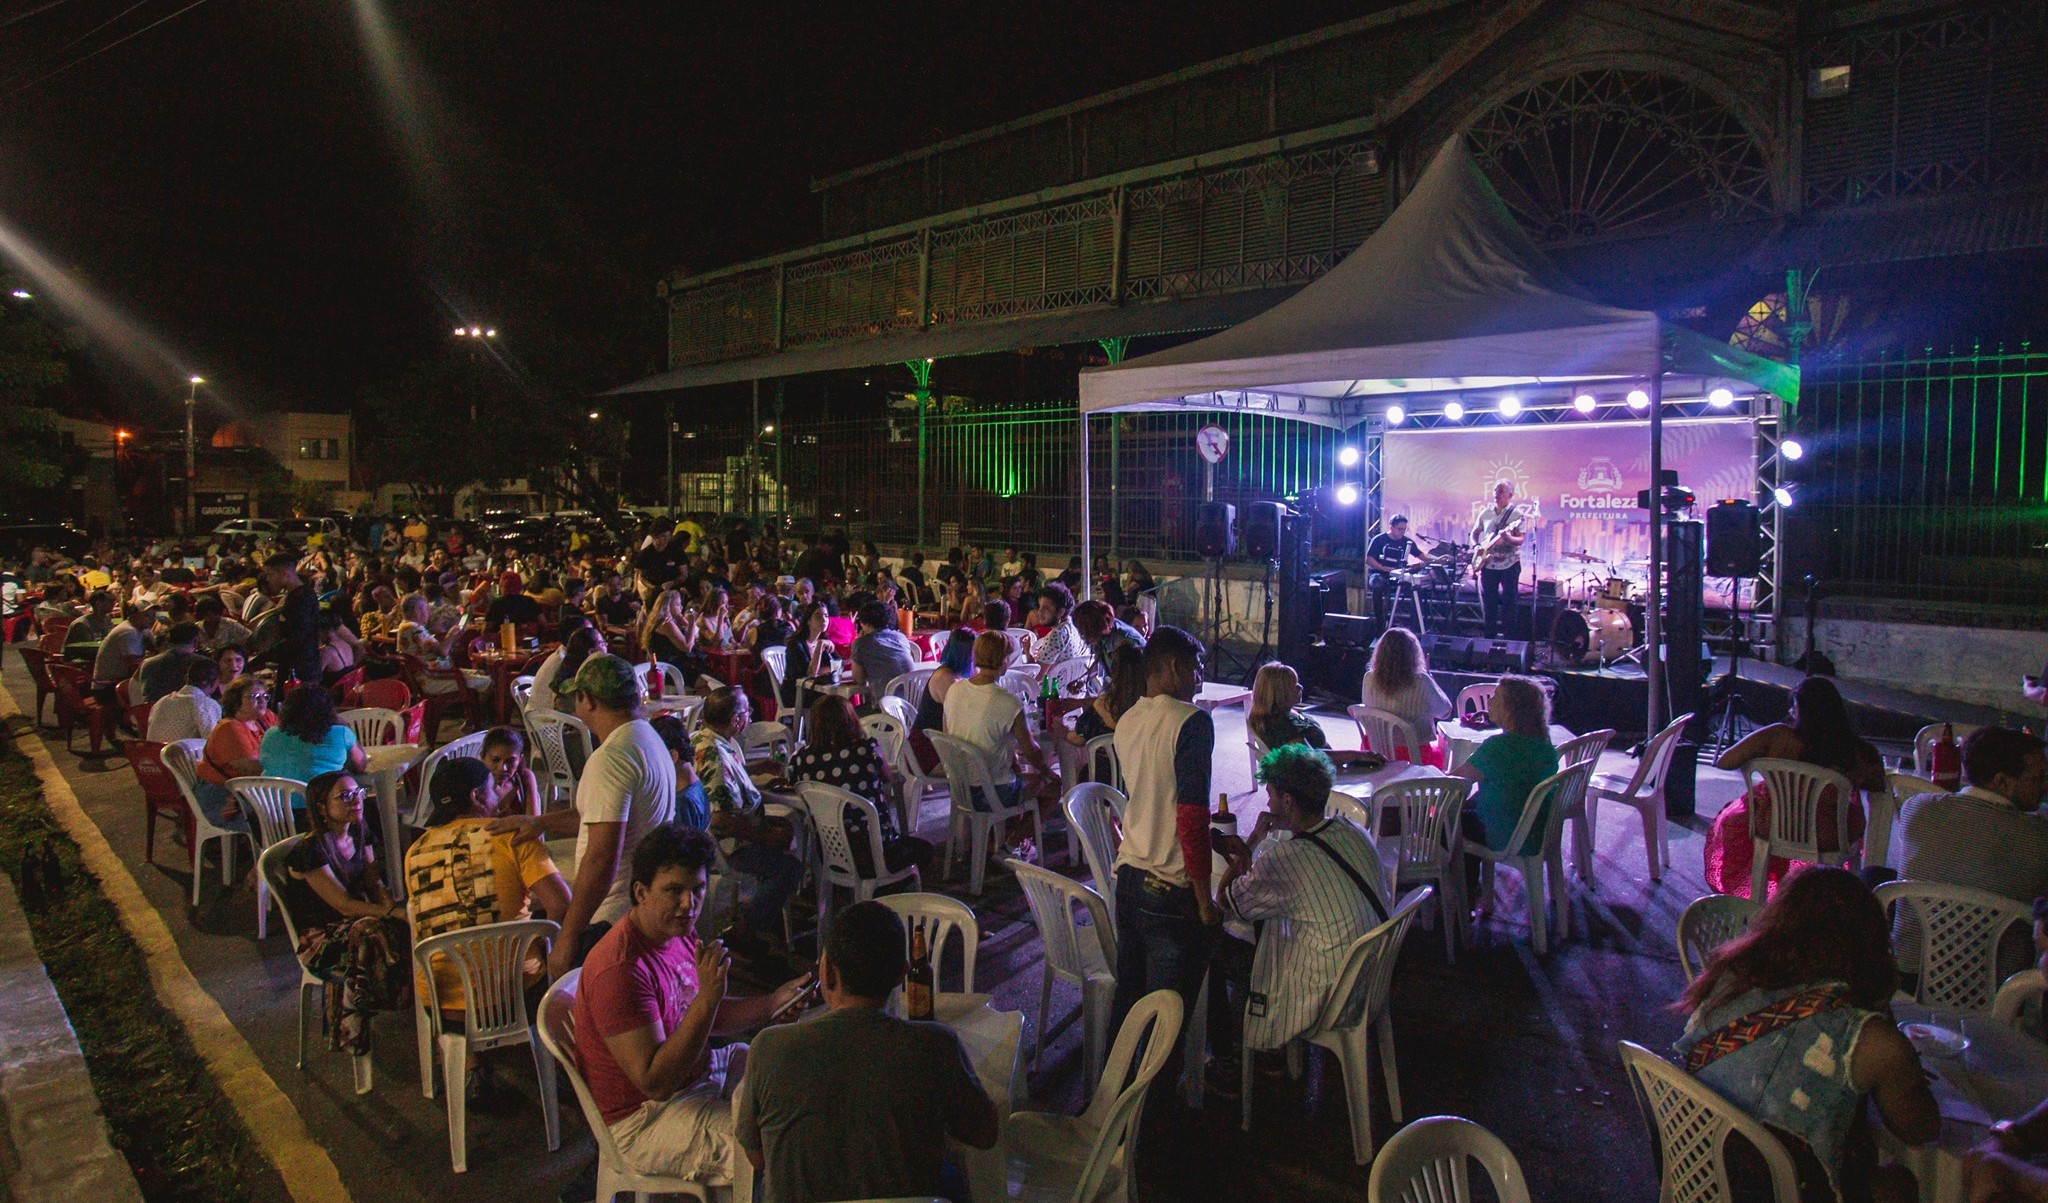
(1427, 1162)
(1093, 813)
(942, 917)
(2020, 991)
(1643, 790)
(1098, 761)
(1572, 753)
(889, 735)
(1428, 851)
(1689, 1126)
(1884, 814)
(827, 804)
(761, 740)
(552, 734)
(1960, 929)
(1796, 789)
(1023, 686)
(910, 687)
(1387, 734)
(557, 1024)
(1084, 959)
(271, 875)
(916, 783)
(1256, 749)
(776, 661)
(1088, 1158)
(267, 801)
(1926, 737)
(471, 745)
(1473, 699)
(181, 758)
(490, 959)
(1707, 923)
(672, 682)
(375, 727)
(1365, 814)
(1025, 639)
(966, 772)
(522, 692)
(1071, 673)
(1354, 1016)
(1548, 799)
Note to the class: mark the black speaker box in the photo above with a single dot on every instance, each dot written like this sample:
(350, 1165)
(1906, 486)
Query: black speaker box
(1216, 530)
(1735, 539)
(1262, 524)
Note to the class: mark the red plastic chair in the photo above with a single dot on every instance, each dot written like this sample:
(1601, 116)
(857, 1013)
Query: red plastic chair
(345, 684)
(438, 705)
(387, 693)
(160, 796)
(75, 705)
(38, 662)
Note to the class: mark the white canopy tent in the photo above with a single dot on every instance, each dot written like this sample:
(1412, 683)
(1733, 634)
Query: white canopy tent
(1449, 297)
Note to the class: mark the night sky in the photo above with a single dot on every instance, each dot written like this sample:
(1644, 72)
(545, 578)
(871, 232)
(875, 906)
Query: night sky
(236, 179)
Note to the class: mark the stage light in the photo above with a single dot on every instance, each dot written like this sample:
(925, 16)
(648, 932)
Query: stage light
(1396, 415)
(1347, 457)
(1638, 399)
(198, 380)
(1454, 412)
(593, 415)
(1783, 496)
(1510, 406)
(21, 294)
(1791, 449)
(1347, 494)
(1583, 403)
(1720, 398)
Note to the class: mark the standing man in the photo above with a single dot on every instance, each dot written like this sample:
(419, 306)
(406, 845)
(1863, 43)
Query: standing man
(1390, 551)
(1165, 915)
(1497, 538)
(297, 650)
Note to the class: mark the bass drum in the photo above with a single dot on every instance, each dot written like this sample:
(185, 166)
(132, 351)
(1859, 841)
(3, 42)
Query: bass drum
(1612, 633)
(1570, 637)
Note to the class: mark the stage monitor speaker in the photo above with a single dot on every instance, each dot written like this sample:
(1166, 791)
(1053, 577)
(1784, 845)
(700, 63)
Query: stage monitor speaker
(1216, 530)
(1262, 525)
(1500, 655)
(1348, 630)
(1735, 539)
(1684, 601)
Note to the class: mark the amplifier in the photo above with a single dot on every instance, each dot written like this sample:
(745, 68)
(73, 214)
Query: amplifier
(1348, 630)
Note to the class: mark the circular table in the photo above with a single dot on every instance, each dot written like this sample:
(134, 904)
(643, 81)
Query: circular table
(387, 763)
(2001, 1075)
(1461, 740)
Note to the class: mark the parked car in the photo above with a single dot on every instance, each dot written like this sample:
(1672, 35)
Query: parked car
(19, 539)
(294, 532)
(246, 528)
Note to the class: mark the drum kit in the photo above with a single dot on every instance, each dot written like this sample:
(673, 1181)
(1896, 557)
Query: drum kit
(1595, 622)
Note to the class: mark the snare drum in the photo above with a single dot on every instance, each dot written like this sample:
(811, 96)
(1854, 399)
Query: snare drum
(1615, 594)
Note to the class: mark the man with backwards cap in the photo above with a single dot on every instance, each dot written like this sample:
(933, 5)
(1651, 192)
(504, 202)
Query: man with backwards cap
(628, 786)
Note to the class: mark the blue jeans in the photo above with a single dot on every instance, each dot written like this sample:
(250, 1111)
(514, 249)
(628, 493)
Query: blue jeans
(1161, 944)
(776, 873)
(212, 798)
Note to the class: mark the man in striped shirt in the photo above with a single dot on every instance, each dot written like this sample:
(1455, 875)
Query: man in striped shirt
(1316, 890)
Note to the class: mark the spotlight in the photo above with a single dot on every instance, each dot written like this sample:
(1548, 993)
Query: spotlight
(22, 294)
(1783, 496)
(1454, 412)
(462, 331)
(593, 415)
(1720, 398)
(1396, 415)
(198, 380)
(492, 332)
(1510, 406)
(1583, 403)
(1347, 457)
(1347, 494)
(1638, 399)
(1791, 449)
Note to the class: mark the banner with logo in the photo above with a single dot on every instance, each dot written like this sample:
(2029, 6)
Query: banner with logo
(1577, 481)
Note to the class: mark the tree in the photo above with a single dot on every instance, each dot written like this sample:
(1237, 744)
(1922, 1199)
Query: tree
(31, 363)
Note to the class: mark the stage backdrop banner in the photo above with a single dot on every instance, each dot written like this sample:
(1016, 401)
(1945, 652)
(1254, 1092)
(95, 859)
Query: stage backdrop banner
(1577, 480)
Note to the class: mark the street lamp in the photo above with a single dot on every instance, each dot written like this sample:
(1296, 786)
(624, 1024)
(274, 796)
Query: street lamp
(191, 453)
(477, 336)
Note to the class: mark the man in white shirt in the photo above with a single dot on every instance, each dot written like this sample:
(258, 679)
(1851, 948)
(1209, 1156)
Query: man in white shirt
(628, 786)
(1063, 642)
(1990, 837)
(189, 712)
(982, 713)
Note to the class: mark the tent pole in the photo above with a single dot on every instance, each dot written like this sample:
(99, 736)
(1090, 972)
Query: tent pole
(1087, 508)
(1653, 636)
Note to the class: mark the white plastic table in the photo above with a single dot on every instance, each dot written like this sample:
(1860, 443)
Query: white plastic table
(1461, 740)
(387, 763)
(2001, 1075)
(1214, 695)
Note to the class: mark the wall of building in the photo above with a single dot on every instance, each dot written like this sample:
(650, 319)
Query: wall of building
(313, 447)
(1975, 664)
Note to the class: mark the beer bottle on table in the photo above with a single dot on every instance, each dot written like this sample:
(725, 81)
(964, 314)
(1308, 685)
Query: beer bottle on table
(654, 682)
(917, 984)
(1223, 822)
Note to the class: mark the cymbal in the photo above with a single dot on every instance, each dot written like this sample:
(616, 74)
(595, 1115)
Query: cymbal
(1584, 557)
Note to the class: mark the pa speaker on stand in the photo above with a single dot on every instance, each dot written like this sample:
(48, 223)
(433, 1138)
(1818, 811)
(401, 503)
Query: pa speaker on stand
(1216, 530)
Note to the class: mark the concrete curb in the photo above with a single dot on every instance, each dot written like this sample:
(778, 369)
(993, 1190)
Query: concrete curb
(56, 1144)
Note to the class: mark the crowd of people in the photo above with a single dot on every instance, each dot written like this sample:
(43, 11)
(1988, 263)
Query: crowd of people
(250, 649)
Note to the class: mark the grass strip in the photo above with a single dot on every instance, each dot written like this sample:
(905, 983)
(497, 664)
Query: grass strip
(167, 1115)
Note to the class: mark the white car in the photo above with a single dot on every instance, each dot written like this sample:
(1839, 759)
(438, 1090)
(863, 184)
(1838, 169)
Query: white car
(246, 528)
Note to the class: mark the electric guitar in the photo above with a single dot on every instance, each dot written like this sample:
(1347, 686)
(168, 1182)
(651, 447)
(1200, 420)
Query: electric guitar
(1501, 538)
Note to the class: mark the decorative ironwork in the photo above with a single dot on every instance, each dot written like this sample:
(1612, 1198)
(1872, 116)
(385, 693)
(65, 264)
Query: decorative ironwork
(1614, 153)
(1034, 262)
(869, 291)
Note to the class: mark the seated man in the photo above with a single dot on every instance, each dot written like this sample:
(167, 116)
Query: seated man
(1988, 837)
(1326, 884)
(650, 999)
(121, 652)
(913, 1080)
(755, 843)
(191, 711)
(881, 652)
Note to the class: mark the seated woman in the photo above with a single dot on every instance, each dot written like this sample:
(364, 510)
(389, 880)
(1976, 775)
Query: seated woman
(840, 628)
(838, 752)
(232, 750)
(1276, 692)
(340, 650)
(351, 934)
(1126, 686)
(1507, 767)
(514, 789)
(669, 634)
(1397, 681)
(1819, 953)
(956, 662)
(585, 641)
(308, 740)
(1816, 732)
(807, 654)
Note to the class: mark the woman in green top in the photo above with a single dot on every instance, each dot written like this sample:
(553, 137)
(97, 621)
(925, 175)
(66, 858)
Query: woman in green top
(1507, 767)
(1276, 691)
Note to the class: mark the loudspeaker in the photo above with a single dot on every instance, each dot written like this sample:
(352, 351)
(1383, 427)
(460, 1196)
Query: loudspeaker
(1301, 603)
(1215, 530)
(1262, 522)
(1735, 539)
(1347, 630)
(1684, 598)
(1500, 655)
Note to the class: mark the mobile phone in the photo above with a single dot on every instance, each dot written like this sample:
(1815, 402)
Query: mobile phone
(796, 1004)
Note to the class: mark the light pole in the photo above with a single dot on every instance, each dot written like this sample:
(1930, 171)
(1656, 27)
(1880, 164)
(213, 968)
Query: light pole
(191, 455)
(477, 336)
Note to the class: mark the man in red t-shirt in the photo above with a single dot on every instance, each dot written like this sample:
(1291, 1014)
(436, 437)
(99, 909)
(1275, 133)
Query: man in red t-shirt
(649, 1002)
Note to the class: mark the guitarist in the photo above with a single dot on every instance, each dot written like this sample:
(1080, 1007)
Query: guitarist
(1498, 535)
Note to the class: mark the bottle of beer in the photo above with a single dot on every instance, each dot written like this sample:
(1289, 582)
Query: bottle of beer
(1047, 691)
(1223, 821)
(653, 677)
(917, 984)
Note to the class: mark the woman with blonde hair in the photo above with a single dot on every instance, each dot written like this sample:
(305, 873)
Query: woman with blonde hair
(1276, 692)
(1507, 766)
(1397, 681)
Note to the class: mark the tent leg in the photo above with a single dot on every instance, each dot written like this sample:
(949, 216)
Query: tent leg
(1087, 511)
(1653, 637)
